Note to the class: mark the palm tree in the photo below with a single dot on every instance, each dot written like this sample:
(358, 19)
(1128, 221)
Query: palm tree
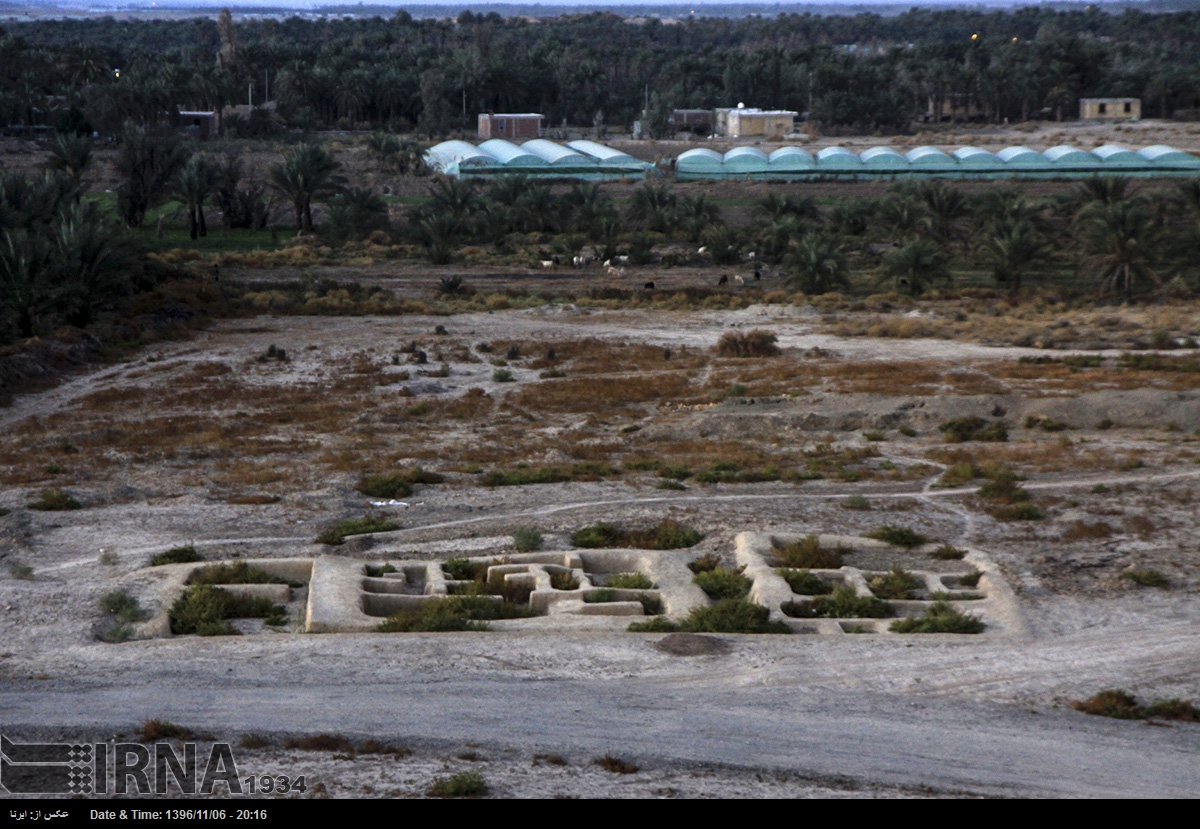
(1119, 239)
(916, 265)
(71, 154)
(454, 198)
(696, 213)
(1014, 248)
(307, 173)
(946, 207)
(94, 263)
(654, 206)
(816, 264)
(193, 185)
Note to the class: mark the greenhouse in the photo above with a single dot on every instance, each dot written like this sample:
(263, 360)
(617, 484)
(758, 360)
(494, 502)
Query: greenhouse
(838, 163)
(536, 157)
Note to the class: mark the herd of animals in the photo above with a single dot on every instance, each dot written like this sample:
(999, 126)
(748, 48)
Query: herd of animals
(615, 267)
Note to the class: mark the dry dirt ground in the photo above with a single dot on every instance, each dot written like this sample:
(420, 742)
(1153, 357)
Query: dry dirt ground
(210, 443)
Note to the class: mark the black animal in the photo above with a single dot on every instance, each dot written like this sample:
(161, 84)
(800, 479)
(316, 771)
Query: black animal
(724, 280)
(649, 286)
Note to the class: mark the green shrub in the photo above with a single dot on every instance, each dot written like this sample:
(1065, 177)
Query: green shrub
(808, 554)
(385, 486)
(527, 539)
(502, 375)
(756, 343)
(154, 730)
(354, 526)
(176, 555)
(203, 609)
(463, 784)
(939, 617)
(453, 613)
(666, 483)
(118, 633)
(666, 535)
(659, 624)
(804, 583)
(630, 581)
(947, 552)
(1147, 578)
(898, 536)
(651, 604)
(907, 431)
(723, 584)
(603, 595)
(1104, 424)
(122, 606)
(237, 572)
(898, 584)
(376, 572)
(523, 475)
(55, 500)
(1173, 709)
(731, 616)
(965, 429)
(858, 502)
(107, 558)
(843, 603)
(459, 569)
(20, 571)
(564, 581)
(1110, 703)
(874, 436)
(705, 563)
(970, 579)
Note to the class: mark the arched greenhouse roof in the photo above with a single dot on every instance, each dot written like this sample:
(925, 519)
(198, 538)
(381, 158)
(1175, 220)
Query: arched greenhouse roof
(930, 157)
(792, 158)
(553, 153)
(509, 154)
(883, 157)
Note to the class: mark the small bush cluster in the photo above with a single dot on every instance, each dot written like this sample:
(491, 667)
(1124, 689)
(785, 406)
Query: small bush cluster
(564, 580)
(947, 552)
(397, 484)
(122, 607)
(843, 603)
(630, 581)
(756, 343)
(720, 583)
(176, 555)
(524, 475)
(154, 730)
(898, 584)
(237, 572)
(20, 571)
(940, 617)
(462, 784)
(726, 616)
(527, 539)
(615, 764)
(453, 613)
(804, 583)
(666, 535)
(808, 554)
(1147, 578)
(898, 536)
(55, 500)
(204, 609)
(706, 562)
(354, 526)
(1122, 705)
(963, 429)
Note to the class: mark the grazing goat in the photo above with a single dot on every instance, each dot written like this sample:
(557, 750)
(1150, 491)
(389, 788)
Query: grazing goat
(649, 286)
(724, 280)
(616, 272)
(737, 280)
(547, 263)
(702, 250)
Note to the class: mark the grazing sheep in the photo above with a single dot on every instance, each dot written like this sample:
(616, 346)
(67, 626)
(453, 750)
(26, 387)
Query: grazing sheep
(737, 280)
(724, 280)
(608, 263)
(616, 272)
(703, 250)
(622, 260)
(547, 263)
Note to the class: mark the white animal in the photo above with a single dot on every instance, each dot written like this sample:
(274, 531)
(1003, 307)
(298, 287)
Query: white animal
(616, 272)
(703, 250)
(623, 260)
(608, 263)
(737, 280)
(547, 263)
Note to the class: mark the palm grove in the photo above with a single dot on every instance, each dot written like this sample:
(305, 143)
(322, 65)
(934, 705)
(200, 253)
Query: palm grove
(68, 255)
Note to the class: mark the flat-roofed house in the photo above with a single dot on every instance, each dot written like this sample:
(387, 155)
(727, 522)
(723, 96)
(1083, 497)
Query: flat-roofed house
(1113, 109)
(742, 122)
(510, 126)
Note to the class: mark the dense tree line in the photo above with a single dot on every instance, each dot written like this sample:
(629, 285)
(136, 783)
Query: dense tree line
(1107, 234)
(864, 72)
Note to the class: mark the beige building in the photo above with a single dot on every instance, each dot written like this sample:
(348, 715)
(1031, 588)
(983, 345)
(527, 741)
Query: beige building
(1110, 108)
(742, 122)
